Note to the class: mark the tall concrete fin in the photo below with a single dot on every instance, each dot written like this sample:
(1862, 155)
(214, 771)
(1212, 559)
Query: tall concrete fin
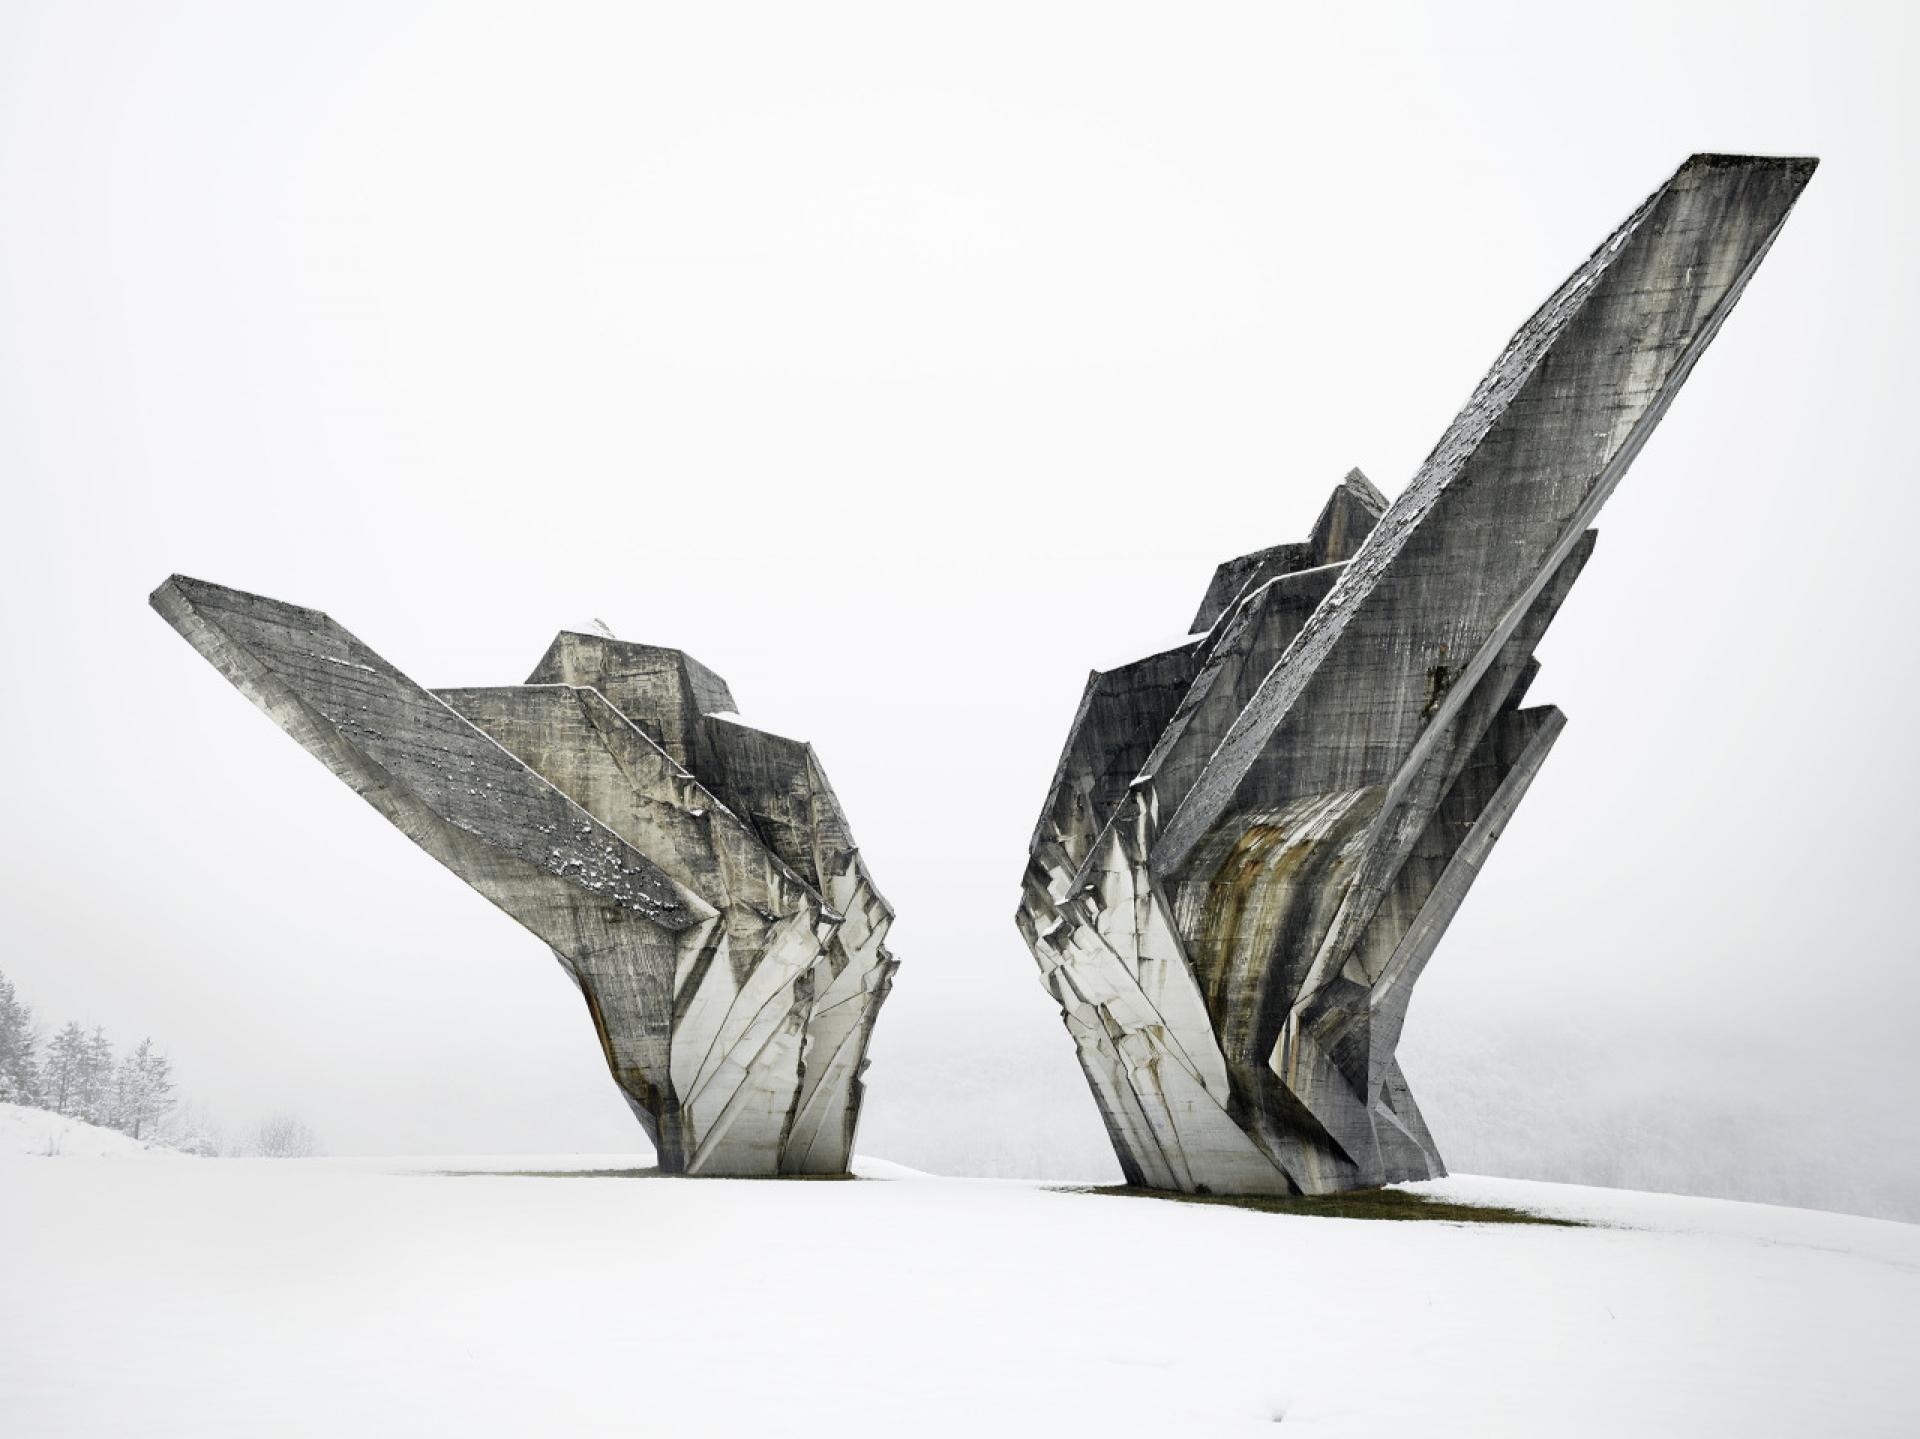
(1453, 564)
(416, 760)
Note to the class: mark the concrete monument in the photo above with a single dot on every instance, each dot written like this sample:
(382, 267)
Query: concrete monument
(1254, 840)
(695, 876)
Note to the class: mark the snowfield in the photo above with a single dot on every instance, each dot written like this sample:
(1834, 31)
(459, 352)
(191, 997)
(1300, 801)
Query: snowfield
(171, 1296)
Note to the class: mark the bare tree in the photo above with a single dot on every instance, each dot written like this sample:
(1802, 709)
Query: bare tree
(283, 1136)
(190, 1129)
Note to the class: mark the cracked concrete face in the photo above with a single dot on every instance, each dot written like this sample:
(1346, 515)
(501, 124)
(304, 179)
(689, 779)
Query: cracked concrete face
(1255, 840)
(694, 876)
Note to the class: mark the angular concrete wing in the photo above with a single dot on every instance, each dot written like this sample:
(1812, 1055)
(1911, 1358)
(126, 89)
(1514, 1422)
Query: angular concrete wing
(1254, 841)
(694, 876)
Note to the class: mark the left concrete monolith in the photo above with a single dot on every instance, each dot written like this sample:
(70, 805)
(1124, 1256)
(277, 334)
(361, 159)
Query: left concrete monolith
(695, 876)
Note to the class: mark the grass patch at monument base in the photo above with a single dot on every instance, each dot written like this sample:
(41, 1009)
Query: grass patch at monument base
(1392, 1204)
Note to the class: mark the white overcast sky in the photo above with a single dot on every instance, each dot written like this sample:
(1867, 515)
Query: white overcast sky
(902, 369)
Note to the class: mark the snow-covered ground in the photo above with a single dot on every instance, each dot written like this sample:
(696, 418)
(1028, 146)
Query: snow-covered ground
(375, 1297)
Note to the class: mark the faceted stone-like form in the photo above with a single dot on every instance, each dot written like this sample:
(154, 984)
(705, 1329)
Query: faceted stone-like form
(694, 876)
(1255, 840)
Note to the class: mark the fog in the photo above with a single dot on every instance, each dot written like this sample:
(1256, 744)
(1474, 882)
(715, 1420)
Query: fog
(902, 371)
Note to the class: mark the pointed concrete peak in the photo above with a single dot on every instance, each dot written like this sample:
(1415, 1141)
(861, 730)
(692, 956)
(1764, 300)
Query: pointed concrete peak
(1347, 518)
(1356, 482)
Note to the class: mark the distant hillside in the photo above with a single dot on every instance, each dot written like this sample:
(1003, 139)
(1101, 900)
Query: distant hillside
(27, 1131)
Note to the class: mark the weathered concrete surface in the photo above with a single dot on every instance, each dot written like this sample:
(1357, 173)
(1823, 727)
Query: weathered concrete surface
(694, 876)
(1254, 841)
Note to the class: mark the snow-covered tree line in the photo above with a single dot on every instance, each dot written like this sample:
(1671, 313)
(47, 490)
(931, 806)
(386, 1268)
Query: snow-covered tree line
(77, 1073)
